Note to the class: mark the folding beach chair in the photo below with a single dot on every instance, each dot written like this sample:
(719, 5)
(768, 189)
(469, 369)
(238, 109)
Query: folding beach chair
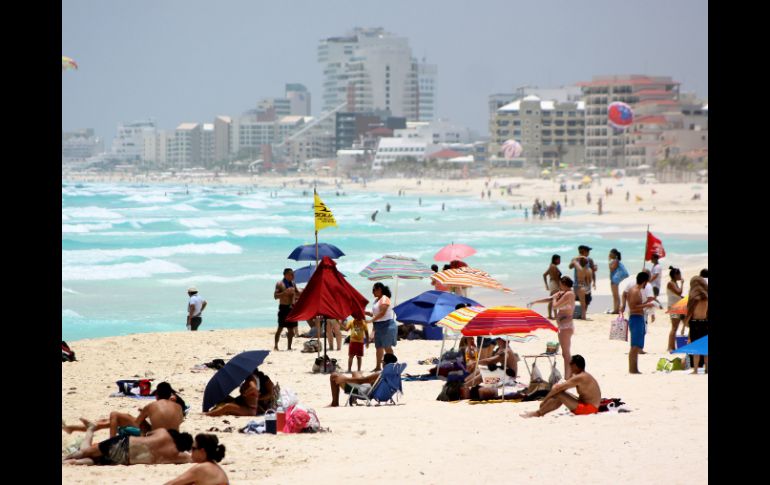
(384, 389)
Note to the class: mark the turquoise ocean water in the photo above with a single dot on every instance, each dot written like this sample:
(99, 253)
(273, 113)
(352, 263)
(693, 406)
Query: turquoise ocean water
(129, 252)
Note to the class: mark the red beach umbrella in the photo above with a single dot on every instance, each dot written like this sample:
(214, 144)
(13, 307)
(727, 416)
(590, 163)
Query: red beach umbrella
(505, 320)
(328, 294)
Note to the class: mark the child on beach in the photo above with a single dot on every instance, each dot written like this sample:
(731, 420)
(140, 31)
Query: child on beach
(358, 331)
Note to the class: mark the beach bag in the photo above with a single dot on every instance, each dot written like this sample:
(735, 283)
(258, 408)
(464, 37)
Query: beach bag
(297, 419)
(535, 374)
(555, 376)
(311, 346)
(137, 387)
(67, 355)
(619, 329)
(620, 274)
(665, 365)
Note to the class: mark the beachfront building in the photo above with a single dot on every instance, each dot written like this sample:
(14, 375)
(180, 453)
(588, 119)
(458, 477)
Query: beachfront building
(371, 69)
(184, 149)
(362, 128)
(438, 132)
(427, 77)
(655, 101)
(222, 139)
(561, 94)
(392, 149)
(299, 99)
(551, 132)
(128, 145)
(79, 145)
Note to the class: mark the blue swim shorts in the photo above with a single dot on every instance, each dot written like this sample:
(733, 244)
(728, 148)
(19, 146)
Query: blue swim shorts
(636, 327)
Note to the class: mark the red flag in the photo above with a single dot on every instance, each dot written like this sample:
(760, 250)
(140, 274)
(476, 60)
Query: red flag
(654, 246)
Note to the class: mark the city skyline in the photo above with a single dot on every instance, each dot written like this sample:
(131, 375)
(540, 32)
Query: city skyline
(156, 60)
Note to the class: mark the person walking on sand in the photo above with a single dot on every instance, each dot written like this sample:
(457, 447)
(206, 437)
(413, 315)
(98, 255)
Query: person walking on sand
(674, 290)
(333, 332)
(636, 306)
(552, 286)
(286, 293)
(600, 205)
(656, 276)
(195, 307)
(563, 302)
(586, 402)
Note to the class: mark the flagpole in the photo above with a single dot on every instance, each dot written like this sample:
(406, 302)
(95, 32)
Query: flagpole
(646, 242)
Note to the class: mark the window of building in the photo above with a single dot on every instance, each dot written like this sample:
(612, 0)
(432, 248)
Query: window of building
(546, 113)
(529, 111)
(516, 123)
(560, 113)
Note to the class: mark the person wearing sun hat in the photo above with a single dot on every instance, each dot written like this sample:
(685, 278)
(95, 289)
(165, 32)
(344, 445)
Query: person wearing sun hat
(195, 308)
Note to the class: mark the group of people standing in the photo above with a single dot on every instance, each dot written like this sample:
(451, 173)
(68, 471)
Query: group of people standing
(544, 209)
(640, 293)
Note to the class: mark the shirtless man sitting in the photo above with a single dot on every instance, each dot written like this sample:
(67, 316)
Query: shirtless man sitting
(588, 398)
(165, 412)
(339, 381)
(503, 354)
(159, 446)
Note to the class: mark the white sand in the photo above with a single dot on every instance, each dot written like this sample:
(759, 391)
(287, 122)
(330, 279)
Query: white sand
(663, 440)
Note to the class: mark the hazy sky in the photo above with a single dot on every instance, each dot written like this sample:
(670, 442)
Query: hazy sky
(191, 60)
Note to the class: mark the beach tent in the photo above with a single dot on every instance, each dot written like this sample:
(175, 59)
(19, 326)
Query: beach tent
(328, 295)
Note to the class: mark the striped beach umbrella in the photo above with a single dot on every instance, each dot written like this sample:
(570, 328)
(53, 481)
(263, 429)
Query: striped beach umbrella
(459, 318)
(467, 276)
(505, 320)
(397, 267)
(391, 266)
(679, 308)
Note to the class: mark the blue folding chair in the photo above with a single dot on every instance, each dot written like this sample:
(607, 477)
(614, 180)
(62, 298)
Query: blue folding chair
(384, 389)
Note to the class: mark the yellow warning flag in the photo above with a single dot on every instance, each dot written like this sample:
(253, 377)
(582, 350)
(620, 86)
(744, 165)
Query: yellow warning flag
(323, 216)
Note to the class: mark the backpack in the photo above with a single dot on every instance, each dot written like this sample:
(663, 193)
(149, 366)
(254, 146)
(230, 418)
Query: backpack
(311, 346)
(137, 387)
(67, 354)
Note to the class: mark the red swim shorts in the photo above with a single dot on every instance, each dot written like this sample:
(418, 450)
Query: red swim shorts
(356, 348)
(585, 408)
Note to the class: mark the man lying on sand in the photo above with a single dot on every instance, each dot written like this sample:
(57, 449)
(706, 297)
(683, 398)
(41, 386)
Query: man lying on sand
(339, 381)
(159, 446)
(588, 398)
(166, 412)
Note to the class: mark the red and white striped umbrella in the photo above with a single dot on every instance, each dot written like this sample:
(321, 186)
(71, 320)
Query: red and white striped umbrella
(467, 276)
(505, 320)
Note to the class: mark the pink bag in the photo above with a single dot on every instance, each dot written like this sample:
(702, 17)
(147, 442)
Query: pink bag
(296, 420)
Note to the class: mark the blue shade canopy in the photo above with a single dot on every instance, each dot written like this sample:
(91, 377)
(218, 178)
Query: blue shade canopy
(303, 274)
(429, 307)
(306, 252)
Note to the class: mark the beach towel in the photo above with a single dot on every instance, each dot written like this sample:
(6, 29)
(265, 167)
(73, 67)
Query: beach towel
(253, 427)
(423, 377)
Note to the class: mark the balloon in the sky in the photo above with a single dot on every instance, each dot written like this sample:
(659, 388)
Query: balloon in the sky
(68, 63)
(512, 149)
(620, 114)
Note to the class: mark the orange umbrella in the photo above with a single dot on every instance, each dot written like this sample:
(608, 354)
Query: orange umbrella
(680, 307)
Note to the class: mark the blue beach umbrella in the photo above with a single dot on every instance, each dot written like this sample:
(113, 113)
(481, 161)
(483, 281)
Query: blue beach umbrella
(306, 252)
(231, 376)
(303, 274)
(699, 347)
(429, 307)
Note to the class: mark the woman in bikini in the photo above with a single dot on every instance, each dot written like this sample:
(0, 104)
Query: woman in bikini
(564, 305)
(206, 452)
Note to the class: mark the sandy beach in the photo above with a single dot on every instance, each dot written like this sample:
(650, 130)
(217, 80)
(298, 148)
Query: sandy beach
(422, 440)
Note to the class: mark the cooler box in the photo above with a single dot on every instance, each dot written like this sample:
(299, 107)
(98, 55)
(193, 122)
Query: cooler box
(681, 341)
(433, 332)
